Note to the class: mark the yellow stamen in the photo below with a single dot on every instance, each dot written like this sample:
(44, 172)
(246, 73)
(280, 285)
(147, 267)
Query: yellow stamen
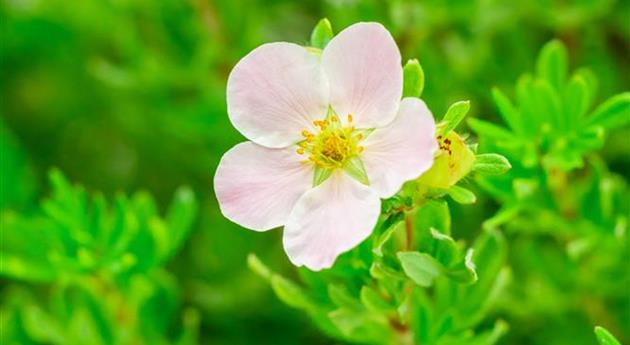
(333, 144)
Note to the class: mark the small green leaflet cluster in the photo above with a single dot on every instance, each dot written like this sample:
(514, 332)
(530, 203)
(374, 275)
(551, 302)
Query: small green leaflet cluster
(554, 146)
(410, 282)
(560, 205)
(553, 122)
(101, 265)
(378, 294)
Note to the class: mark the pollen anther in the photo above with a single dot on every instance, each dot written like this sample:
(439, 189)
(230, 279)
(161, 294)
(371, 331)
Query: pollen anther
(333, 144)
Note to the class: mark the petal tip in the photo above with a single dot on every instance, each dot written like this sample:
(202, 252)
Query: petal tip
(256, 187)
(330, 220)
(274, 92)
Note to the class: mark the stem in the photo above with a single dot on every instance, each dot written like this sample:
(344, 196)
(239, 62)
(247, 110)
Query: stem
(403, 335)
(409, 230)
(400, 324)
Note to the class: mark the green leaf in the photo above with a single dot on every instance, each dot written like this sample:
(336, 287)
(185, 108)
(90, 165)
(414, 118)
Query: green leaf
(420, 267)
(613, 113)
(68, 207)
(454, 115)
(180, 217)
(89, 322)
(591, 138)
(151, 240)
(504, 215)
(379, 271)
(289, 292)
(530, 155)
(26, 247)
(413, 79)
(604, 337)
(388, 227)
(60, 184)
(527, 97)
(322, 34)
(354, 167)
(347, 321)
(83, 329)
(509, 113)
(361, 327)
(434, 214)
(125, 228)
(465, 272)
(489, 255)
(591, 81)
(190, 333)
(491, 164)
(372, 300)
(258, 267)
(462, 195)
(422, 318)
(490, 337)
(576, 100)
(181, 213)
(492, 131)
(547, 103)
(340, 296)
(157, 301)
(41, 326)
(444, 248)
(320, 175)
(552, 64)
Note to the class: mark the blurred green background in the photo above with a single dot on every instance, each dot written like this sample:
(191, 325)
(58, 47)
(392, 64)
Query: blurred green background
(128, 95)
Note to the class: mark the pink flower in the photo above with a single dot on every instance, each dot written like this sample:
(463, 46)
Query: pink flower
(337, 117)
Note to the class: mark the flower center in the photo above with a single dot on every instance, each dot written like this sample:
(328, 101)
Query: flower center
(333, 144)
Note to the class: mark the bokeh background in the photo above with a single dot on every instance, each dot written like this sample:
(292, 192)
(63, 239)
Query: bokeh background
(127, 95)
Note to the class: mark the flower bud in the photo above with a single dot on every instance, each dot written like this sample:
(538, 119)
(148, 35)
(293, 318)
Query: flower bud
(453, 161)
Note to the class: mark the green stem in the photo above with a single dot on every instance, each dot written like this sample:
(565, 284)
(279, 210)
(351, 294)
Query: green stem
(409, 230)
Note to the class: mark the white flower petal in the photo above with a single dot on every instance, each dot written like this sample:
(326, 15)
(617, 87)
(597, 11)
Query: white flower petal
(401, 151)
(362, 65)
(257, 187)
(328, 220)
(275, 92)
